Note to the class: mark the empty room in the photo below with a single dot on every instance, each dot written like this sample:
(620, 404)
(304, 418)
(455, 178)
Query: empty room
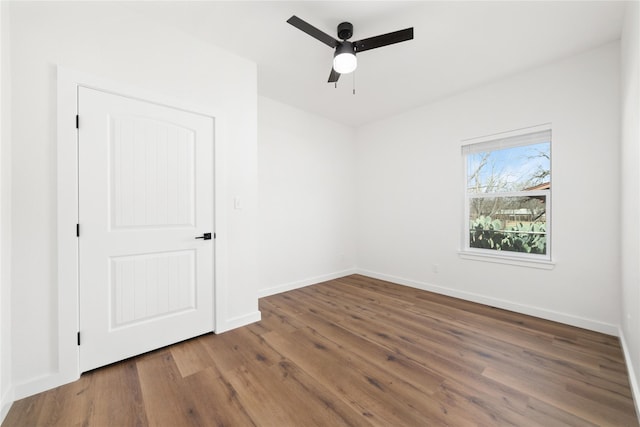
(319, 213)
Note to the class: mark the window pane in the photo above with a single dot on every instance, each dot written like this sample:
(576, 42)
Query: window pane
(509, 169)
(516, 224)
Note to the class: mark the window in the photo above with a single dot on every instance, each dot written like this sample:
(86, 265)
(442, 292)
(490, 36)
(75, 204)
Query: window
(508, 195)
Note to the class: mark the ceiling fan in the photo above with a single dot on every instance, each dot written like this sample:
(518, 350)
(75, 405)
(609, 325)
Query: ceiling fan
(344, 58)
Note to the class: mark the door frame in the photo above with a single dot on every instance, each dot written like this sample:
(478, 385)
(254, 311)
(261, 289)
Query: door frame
(68, 82)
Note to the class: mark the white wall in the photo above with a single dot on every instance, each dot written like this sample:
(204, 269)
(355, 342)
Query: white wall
(410, 192)
(111, 42)
(306, 198)
(6, 389)
(630, 190)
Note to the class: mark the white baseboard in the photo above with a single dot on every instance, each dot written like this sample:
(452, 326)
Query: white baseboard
(555, 316)
(631, 371)
(5, 404)
(237, 322)
(42, 383)
(49, 381)
(304, 282)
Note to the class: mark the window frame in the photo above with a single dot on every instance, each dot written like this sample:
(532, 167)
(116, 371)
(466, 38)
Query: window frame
(500, 141)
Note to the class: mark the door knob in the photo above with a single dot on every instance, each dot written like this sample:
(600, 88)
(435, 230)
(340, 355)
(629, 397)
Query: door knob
(205, 236)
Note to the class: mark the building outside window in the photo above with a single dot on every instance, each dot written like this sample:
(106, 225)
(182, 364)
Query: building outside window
(508, 194)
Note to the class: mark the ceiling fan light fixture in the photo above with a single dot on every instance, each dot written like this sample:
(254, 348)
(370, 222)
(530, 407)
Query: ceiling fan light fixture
(344, 59)
(344, 56)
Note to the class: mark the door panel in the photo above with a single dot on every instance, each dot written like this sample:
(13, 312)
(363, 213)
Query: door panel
(146, 192)
(153, 173)
(151, 286)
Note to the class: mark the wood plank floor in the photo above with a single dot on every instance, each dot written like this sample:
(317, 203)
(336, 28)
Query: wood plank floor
(359, 352)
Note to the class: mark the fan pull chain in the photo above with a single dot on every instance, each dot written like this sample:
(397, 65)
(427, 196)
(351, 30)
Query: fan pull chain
(354, 82)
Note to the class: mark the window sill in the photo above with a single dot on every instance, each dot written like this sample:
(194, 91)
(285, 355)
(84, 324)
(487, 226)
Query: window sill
(540, 264)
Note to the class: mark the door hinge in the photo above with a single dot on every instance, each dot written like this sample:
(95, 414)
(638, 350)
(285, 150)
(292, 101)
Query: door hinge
(77, 230)
(77, 121)
(214, 235)
(78, 338)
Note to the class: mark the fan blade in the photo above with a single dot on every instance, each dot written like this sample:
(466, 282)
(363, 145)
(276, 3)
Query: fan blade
(313, 31)
(334, 76)
(384, 40)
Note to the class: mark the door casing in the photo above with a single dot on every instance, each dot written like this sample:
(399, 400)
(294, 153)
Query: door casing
(68, 362)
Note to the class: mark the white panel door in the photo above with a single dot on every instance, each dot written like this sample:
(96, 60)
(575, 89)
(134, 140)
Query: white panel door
(145, 196)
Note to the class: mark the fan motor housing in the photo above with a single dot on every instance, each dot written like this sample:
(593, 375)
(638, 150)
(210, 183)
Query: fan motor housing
(345, 30)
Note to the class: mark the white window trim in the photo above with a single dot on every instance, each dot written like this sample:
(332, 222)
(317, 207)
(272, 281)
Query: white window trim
(501, 259)
(507, 257)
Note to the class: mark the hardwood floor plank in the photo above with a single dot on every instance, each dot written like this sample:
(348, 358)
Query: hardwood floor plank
(509, 397)
(404, 368)
(98, 398)
(482, 409)
(109, 391)
(498, 394)
(418, 347)
(486, 327)
(357, 351)
(165, 399)
(57, 409)
(191, 357)
(239, 347)
(555, 394)
(498, 349)
(281, 396)
(25, 412)
(372, 395)
(551, 416)
(216, 399)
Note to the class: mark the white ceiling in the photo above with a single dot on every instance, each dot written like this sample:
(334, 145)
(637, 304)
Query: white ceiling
(457, 45)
